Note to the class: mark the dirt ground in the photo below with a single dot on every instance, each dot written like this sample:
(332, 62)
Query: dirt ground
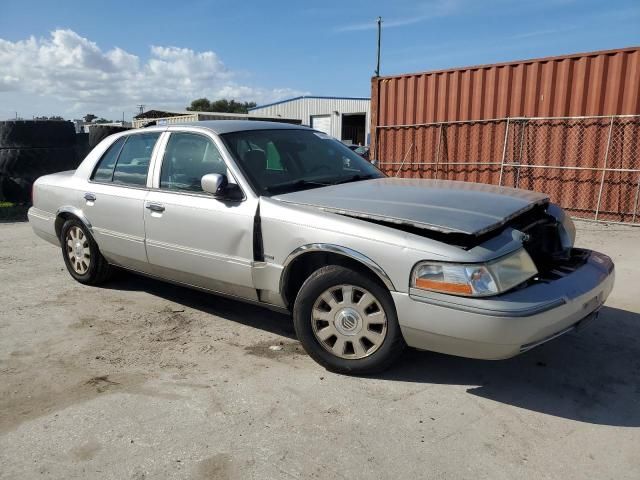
(144, 380)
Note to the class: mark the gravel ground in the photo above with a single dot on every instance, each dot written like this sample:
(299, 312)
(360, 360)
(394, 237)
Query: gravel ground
(140, 379)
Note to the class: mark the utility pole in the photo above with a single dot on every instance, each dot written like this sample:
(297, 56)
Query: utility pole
(141, 108)
(379, 36)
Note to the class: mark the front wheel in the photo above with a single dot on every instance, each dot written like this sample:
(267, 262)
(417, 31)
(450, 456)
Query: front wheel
(347, 322)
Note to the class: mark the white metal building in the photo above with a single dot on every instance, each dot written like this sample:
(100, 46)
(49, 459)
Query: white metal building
(345, 118)
(164, 117)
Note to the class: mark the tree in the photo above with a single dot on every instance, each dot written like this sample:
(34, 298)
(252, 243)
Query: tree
(200, 105)
(222, 105)
(89, 117)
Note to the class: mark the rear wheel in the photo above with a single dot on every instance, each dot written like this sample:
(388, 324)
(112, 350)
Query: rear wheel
(347, 322)
(81, 255)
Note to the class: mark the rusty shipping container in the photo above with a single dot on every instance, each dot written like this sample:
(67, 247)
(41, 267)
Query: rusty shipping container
(452, 124)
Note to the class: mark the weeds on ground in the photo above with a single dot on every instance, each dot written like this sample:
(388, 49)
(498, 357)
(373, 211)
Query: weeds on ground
(13, 212)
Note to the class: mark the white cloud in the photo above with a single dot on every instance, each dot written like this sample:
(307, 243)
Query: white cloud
(73, 75)
(420, 13)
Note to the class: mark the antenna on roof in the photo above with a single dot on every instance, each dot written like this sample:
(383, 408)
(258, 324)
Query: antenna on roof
(379, 36)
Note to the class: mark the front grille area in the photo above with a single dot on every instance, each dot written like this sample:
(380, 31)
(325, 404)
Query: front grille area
(544, 245)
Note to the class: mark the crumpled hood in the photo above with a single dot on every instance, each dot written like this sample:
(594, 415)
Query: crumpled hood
(440, 205)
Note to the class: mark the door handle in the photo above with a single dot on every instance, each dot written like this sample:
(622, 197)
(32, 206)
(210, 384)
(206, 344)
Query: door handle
(155, 207)
(89, 197)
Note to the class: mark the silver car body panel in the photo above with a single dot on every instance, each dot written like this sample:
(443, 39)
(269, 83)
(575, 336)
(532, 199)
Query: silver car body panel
(336, 249)
(440, 205)
(209, 243)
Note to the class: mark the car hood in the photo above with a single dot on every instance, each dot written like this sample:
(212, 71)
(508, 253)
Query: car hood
(440, 205)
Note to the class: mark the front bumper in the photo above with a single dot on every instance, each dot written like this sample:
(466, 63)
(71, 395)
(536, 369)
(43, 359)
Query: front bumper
(509, 324)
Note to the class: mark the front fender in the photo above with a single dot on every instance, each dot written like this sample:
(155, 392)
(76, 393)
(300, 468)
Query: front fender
(335, 249)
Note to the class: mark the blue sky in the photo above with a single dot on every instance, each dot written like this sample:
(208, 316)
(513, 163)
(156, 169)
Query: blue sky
(102, 57)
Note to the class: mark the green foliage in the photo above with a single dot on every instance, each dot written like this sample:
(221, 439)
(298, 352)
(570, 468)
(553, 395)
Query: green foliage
(223, 105)
(89, 117)
(11, 212)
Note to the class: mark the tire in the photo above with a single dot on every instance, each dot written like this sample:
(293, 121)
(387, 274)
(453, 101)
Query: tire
(35, 162)
(91, 270)
(82, 147)
(97, 133)
(36, 134)
(16, 190)
(371, 328)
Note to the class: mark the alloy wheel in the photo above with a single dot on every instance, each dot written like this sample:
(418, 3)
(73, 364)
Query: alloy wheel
(78, 250)
(349, 321)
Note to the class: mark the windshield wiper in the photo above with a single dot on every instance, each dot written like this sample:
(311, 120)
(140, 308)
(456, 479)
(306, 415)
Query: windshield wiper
(296, 184)
(355, 178)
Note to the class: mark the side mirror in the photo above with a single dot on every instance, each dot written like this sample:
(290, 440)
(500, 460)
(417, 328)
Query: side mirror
(215, 184)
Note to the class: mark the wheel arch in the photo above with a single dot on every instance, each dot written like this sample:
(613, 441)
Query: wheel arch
(306, 259)
(65, 213)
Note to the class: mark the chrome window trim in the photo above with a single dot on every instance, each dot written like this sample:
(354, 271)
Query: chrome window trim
(119, 185)
(156, 159)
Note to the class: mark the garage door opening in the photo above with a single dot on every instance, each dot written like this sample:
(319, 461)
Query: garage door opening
(321, 123)
(353, 128)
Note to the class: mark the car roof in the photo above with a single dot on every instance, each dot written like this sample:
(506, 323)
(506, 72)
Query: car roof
(229, 126)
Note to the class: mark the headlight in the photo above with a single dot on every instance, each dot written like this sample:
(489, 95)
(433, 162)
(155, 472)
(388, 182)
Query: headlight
(474, 280)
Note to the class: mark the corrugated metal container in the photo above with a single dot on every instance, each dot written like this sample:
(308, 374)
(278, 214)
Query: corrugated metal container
(453, 124)
(583, 84)
(306, 107)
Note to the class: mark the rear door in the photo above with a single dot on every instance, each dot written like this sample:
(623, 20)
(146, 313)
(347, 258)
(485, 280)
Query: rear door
(192, 237)
(114, 201)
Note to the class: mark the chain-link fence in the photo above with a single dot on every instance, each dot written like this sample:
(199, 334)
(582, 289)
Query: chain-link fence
(588, 165)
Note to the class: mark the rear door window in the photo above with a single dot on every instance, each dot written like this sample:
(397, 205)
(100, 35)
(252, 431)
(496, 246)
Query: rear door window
(104, 170)
(133, 162)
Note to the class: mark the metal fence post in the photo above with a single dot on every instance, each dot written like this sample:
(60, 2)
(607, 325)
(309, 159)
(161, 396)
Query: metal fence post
(504, 151)
(604, 168)
(404, 159)
(438, 149)
(524, 126)
(635, 202)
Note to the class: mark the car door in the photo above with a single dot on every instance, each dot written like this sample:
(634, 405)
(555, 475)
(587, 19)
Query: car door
(192, 237)
(114, 200)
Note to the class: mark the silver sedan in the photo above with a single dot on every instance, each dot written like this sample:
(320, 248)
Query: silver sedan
(289, 218)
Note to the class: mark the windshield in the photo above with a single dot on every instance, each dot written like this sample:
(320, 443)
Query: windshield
(280, 161)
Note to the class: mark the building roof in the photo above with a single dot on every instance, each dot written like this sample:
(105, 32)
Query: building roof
(229, 126)
(304, 97)
(151, 114)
